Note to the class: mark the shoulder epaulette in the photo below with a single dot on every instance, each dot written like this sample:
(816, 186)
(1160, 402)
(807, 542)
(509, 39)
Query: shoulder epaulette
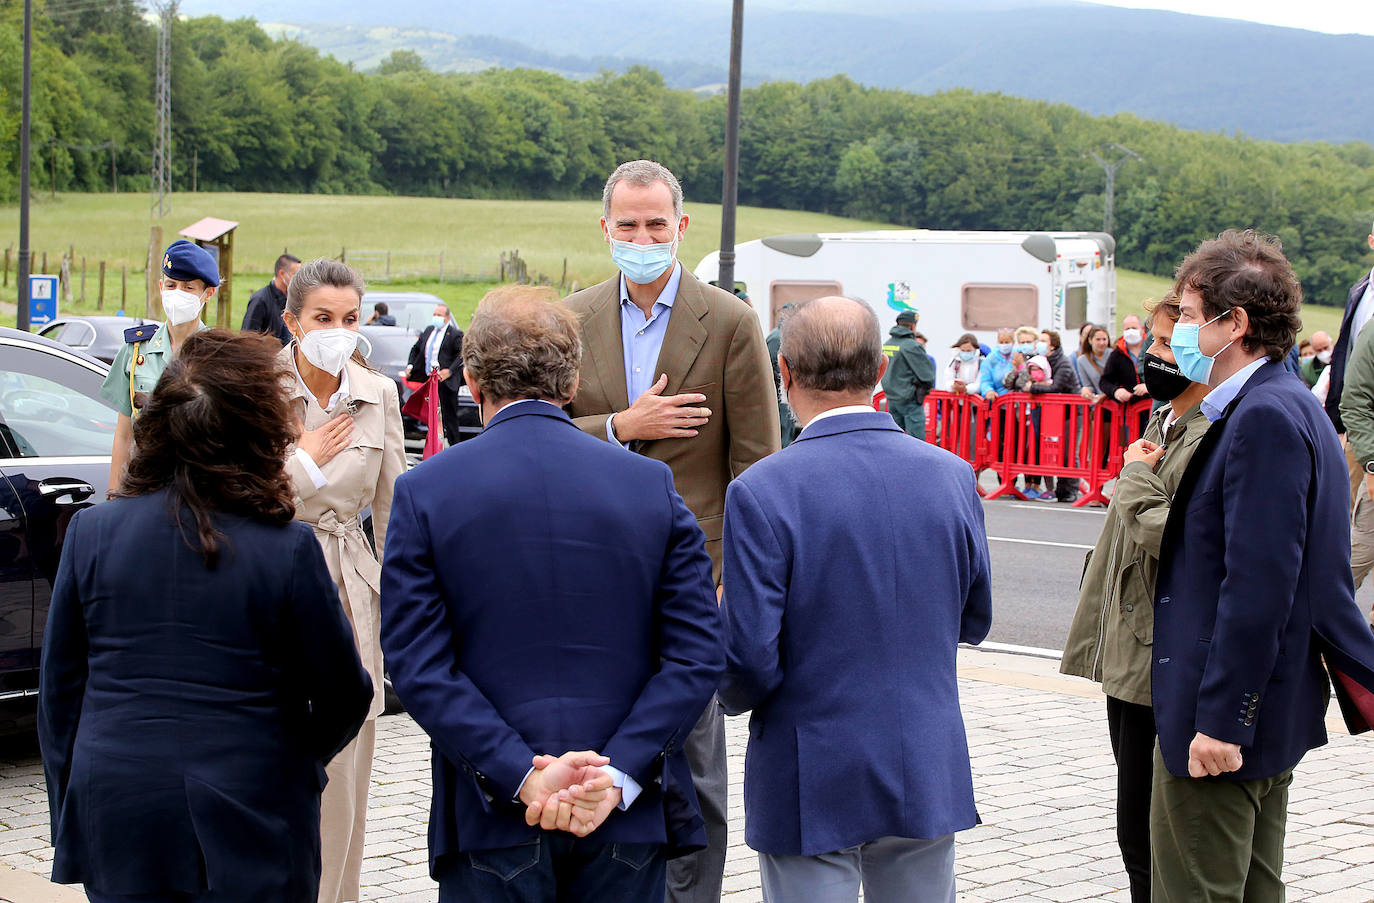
(140, 333)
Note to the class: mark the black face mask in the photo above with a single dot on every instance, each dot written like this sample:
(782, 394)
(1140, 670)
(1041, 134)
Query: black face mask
(1163, 380)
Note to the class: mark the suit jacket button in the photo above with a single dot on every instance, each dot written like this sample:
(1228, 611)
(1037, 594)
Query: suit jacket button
(1130, 608)
(1247, 722)
(1240, 721)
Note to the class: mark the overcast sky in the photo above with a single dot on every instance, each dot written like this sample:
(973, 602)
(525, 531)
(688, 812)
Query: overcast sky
(1334, 16)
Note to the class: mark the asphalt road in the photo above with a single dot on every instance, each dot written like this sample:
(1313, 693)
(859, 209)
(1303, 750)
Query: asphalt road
(1037, 551)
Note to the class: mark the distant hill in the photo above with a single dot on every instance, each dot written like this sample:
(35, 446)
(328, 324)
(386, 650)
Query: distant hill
(1197, 72)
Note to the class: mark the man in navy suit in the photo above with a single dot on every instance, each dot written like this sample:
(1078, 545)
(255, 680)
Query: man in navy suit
(545, 592)
(1254, 588)
(845, 602)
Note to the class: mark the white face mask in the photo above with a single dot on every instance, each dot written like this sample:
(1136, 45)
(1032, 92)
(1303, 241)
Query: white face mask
(1132, 336)
(1324, 356)
(181, 306)
(328, 349)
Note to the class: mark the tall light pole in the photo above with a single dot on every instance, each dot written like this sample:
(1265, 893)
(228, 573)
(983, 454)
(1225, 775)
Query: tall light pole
(25, 255)
(730, 185)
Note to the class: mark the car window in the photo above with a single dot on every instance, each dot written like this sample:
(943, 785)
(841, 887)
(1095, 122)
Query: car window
(78, 334)
(411, 315)
(50, 407)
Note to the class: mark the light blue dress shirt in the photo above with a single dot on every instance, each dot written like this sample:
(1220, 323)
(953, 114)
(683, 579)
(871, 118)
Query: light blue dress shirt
(1215, 402)
(641, 340)
(436, 338)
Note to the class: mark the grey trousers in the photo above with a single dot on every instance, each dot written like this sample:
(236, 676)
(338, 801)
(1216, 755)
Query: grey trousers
(697, 878)
(891, 870)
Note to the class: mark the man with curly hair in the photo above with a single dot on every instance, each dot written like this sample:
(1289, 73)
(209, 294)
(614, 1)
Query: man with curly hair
(1254, 593)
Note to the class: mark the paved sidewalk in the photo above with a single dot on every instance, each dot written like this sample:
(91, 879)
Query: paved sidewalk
(1042, 770)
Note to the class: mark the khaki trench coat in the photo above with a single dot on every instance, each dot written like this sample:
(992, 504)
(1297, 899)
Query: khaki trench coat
(361, 475)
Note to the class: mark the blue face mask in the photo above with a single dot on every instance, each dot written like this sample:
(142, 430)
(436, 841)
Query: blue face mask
(642, 264)
(967, 355)
(1042, 347)
(1192, 363)
(1026, 347)
(437, 322)
(1005, 348)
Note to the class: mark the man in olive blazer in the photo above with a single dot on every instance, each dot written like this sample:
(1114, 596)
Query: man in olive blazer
(676, 370)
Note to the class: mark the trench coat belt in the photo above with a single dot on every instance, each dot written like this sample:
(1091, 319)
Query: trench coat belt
(355, 554)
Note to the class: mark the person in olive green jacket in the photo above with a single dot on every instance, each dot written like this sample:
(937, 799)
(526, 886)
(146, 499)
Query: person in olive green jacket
(1112, 631)
(910, 376)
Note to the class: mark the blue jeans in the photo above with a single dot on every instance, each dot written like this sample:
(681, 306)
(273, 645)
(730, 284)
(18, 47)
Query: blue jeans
(556, 866)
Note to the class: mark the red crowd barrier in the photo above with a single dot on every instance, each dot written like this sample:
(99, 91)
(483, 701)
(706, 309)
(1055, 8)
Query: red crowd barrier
(1062, 436)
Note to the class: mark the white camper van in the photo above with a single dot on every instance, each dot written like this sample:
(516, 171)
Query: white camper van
(959, 282)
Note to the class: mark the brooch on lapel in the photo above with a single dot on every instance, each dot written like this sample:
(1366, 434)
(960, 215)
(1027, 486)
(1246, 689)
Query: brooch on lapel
(351, 407)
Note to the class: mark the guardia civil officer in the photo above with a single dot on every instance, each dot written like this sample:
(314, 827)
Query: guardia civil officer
(190, 276)
(909, 377)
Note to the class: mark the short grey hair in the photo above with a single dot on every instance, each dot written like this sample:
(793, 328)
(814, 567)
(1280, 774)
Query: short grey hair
(642, 172)
(832, 345)
(523, 343)
(317, 274)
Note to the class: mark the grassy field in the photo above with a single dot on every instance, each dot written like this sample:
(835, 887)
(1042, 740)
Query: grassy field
(397, 242)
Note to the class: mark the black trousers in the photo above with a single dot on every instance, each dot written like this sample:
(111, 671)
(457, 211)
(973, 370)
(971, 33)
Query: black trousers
(448, 412)
(1132, 728)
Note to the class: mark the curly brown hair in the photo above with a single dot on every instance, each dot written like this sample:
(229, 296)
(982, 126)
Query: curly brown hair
(522, 343)
(217, 431)
(1247, 269)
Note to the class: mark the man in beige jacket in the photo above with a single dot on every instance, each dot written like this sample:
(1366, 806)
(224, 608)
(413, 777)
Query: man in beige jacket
(676, 370)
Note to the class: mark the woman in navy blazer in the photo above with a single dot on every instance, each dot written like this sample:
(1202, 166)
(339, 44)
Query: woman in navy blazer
(197, 669)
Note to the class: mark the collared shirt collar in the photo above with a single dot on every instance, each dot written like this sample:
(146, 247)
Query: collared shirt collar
(1215, 402)
(338, 396)
(665, 297)
(835, 412)
(161, 342)
(522, 401)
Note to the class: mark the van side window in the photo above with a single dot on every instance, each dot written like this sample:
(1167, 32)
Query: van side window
(989, 306)
(1075, 306)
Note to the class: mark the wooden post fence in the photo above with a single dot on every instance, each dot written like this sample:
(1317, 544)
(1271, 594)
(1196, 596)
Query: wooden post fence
(100, 292)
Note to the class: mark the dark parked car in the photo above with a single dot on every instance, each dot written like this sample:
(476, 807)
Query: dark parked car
(100, 337)
(55, 438)
(412, 310)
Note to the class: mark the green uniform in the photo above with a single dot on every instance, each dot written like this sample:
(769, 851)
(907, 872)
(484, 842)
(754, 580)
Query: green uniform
(910, 376)
(145, 355)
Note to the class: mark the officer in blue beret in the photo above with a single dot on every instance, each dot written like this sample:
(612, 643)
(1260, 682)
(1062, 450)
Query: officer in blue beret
(190, 276)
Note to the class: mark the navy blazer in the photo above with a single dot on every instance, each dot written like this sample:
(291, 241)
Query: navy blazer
(1340, 353)
(185, 714)
(1254, 584)
(856, 561)
(545, 591)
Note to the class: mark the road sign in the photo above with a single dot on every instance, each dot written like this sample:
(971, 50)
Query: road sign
(42, 300)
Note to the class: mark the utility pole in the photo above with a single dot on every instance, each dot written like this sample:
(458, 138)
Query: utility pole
(22, 320)
(162, 131)
(1110, 168)
(730, 184)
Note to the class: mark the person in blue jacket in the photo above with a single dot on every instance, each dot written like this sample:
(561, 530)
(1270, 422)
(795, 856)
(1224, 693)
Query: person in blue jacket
(996, 365)
(844, 649)
(1254, 600)
(548, 594)
(198, 672)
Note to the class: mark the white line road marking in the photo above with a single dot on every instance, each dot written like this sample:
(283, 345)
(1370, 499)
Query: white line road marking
(1039, 542)
(1062, 509)
(1035, 651)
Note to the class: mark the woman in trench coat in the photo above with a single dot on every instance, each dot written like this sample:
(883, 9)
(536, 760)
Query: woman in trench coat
(349, 455)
